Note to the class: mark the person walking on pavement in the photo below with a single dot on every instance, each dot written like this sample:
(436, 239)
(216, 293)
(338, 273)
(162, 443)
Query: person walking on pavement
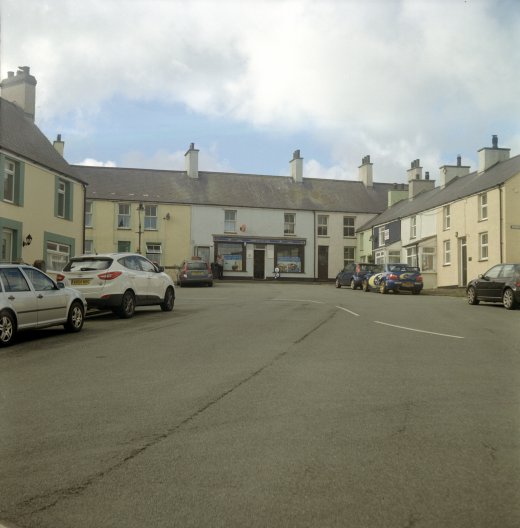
(220, 267)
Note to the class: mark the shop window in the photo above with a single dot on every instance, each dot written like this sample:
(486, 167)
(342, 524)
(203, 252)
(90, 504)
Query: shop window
(290, 258)
(234, 256)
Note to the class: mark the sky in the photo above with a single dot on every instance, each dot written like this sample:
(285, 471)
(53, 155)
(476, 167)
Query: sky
(131, 83)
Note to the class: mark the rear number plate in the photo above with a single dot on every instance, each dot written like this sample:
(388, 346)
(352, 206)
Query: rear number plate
(407, 284)
(80, 282)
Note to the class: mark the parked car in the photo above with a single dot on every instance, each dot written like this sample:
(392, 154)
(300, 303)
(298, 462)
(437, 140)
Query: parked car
(353, 274)
(500, 284)
(120, 282)
(29, 298)
(396, 278)
(195, 272)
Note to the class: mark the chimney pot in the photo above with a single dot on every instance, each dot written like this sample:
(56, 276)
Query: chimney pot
(459, 160)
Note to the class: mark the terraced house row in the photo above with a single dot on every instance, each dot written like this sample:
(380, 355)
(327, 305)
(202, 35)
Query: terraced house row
(310, 228)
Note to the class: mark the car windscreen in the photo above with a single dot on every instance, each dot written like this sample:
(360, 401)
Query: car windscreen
(375, 268)
(197, 266)
(402, 267)
(88, 264)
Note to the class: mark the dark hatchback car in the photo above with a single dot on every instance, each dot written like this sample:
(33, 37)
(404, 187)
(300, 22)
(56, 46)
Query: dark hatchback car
(500, 284)
(353, 274)
(195, 272)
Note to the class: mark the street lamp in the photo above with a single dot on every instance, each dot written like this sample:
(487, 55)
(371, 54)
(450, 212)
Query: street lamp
(140, 208)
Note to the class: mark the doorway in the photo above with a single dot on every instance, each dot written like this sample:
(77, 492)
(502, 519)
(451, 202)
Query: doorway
(259, 264)
(7, 246)
(463, 262)
(323, 262)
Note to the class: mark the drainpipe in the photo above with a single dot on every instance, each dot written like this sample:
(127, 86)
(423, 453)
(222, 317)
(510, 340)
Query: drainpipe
(84, 209)
(315, 241)
(500, 195)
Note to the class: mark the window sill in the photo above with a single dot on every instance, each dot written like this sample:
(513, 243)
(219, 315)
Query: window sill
(483, 220)
(124, 228)
(483, 259)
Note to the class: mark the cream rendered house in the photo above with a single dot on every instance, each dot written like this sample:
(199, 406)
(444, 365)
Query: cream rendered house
(41, 198)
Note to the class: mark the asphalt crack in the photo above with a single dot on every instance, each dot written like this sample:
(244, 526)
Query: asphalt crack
(43, 502)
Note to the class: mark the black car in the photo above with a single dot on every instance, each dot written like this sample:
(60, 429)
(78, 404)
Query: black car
(195, 272)
(500, 284)
(353, 274)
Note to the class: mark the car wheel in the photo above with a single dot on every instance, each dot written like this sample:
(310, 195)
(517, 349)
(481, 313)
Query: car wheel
(75, 318)
(210, 284)
(338, 284)
(383, 288)
(396, 291)
(509, 299)
(364, 286)
(353, 284)
(169, 300)
(472, 296)
(7, 328)
(127, 308)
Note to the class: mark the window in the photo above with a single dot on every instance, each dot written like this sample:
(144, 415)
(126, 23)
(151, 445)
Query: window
(411, 256)
(57, 256)
(428, 259)
(154, 252)
(39, 280)
(289, 222)
(123, 216)
(483, 207)
(234, 256)
(230, 221)
(6, 249)
(88, 213)
(447, 252)
(348, 255)
(289, 258)
(394, 257)
(323, 225)
(413, 228)
(63, 199)
(483, 246)
(89, 247)
(381, 236)
(348, 226)
(9, 181)
(380, 257)
(13, 280)
(150, 217)
(446, 218)
(123, 246)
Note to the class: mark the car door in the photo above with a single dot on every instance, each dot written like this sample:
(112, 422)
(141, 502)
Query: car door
(52, 301)
(488, 286)
(155, 284)
(20, 296)
(136, 277)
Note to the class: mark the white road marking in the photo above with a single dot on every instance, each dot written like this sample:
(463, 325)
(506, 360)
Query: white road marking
(349, 311)
(299, 300)
(422, 331)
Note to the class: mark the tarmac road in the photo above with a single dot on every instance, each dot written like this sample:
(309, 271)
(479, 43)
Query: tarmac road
(267, 404)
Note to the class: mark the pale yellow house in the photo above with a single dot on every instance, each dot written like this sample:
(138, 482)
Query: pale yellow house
(41, 198)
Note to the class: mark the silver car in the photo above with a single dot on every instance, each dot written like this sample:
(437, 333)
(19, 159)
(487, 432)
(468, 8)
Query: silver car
(119, 282)
(29, 298)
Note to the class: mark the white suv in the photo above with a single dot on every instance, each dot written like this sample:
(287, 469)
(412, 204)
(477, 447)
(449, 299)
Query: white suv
(120, 282)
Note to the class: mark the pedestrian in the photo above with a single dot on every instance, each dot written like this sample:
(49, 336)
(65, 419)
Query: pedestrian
(220, 267)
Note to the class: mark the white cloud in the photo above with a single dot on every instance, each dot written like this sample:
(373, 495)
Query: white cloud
(398, 80)
(96, 163)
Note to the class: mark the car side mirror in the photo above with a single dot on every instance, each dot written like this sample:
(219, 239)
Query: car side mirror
(60, 285)
(159, 269)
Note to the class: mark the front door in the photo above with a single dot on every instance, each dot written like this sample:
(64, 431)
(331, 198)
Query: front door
(463, 262)
(259, 264)
(323, 262)
(6, 248)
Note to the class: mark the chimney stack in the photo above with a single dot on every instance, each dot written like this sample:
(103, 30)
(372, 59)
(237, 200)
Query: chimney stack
(366, 172)
(296, 166)
(20, 89)
(59, 145)
(450, 172)
(487, 157)
(416, 183)
(192, 162)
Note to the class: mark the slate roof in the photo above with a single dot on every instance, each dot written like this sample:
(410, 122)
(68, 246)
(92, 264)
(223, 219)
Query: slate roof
(20, 136)
(456, 189)
(233, 190)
